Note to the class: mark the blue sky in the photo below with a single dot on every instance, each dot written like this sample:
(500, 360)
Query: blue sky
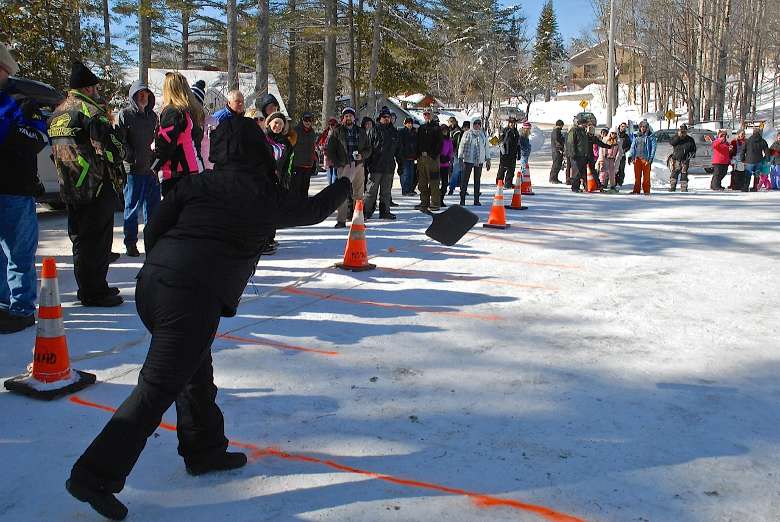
(572, 15)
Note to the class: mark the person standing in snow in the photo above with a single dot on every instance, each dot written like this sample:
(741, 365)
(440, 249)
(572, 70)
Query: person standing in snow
(408, 156)
(136, 126)
(304, 154)
(456, 133)
(509, 153)
(609, 159)
(209, 124)
(642, 154)
(557, 145)
(445, 160)
(474, 153)
(181, 126)
(684, 150)
(22, 137)
(88, 158)
(429, 140)
(737, 150)
(721, 158)
(524, 148)
(385, 144)
(756, 150)
(202, 246)
(348, 148)
(233, 107)
(579, 150)
(322, 145)
(774, 153)
(625, 141)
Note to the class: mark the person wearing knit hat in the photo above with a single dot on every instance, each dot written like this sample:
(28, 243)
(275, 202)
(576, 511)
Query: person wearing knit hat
(199, 90)
(21, 139)
(269, 104)
(349, 110)
(88, 153)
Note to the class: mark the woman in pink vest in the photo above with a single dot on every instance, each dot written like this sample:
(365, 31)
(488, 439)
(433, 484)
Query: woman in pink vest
(181, 127)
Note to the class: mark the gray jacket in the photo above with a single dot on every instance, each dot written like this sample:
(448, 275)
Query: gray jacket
(137, 129)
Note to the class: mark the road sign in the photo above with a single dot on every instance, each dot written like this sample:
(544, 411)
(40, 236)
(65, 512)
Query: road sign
(584, 104)
(670, 115)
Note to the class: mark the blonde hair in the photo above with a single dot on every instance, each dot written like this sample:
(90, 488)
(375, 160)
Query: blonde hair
(177, 93)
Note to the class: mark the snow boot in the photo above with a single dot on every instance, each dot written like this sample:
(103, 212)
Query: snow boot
(104, 502)
(672, 184)
(684, 186)
(222, 462)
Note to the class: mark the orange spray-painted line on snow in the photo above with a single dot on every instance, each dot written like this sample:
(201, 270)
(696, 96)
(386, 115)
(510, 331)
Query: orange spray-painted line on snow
(422, 309)
(468, 279)
(479, 499)
(274, 344)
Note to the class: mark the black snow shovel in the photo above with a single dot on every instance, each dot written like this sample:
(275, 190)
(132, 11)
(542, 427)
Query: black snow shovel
(451, 225)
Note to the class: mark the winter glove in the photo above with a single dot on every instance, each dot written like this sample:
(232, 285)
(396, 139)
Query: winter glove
(487, 165)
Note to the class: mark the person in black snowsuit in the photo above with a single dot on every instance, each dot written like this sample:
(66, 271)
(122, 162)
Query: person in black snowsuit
(557, 145)
(508, 153)
(202, 245)
(684, 150)
(625, 141)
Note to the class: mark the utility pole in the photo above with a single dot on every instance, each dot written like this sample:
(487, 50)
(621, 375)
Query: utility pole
(611, 101)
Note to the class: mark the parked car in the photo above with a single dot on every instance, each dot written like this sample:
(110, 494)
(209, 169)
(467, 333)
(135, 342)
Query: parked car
(47, 98)
(588, 116)
(701, 163)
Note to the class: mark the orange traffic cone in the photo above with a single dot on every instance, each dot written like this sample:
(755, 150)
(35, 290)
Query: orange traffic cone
(526, 187)
(517, 196)
(356, 253)
(497, 217)
(592, 185)
(51, 375)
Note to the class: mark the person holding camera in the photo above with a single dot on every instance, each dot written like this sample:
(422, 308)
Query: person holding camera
(22, 137)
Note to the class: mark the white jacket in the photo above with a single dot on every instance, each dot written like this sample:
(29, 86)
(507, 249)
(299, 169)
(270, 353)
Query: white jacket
(474, 148)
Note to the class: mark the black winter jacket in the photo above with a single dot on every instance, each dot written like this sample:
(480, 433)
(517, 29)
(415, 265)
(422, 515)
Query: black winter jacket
(385, 144)
(408, 143)
(210, 230)
(756, 149)
(684, 148)
(429, 138)
(19, 150)
(337, 146)
(510, 146)
(557, 141)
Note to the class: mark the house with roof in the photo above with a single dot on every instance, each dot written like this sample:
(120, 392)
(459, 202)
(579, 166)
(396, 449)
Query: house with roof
(590, 65)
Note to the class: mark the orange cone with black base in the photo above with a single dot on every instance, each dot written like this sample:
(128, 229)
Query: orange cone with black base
(497, 218)
(517, 197)
(526, 187)
(51, 375)
(356, 253)
(592, 185)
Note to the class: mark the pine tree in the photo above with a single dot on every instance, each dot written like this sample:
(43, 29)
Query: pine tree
(549, 53)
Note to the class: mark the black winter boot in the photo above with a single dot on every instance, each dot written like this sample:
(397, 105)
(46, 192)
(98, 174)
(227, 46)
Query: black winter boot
(672, 184)
(101, 501)
(222, 462)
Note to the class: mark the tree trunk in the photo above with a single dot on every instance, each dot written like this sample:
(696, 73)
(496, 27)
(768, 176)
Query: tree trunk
(292, 73)
(185, 38)
(261, 51)
(374, 67)
(352, 80)
(73, 43)
(232, 44)
(106, 35)
(720, 86)
(144, 41)
(329, 62)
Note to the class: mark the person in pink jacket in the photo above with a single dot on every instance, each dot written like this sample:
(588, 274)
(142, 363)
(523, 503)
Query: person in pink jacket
(721, 159)
(445, 160)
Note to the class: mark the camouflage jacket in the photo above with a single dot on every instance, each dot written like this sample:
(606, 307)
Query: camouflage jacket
(87, 151)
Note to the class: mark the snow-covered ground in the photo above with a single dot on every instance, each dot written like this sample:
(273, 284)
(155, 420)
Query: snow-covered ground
(609, 357)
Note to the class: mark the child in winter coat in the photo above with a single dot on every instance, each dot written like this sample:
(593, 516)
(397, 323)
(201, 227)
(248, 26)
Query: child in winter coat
(609, 160)
(774, 154)
(524, 150)
(445, 160)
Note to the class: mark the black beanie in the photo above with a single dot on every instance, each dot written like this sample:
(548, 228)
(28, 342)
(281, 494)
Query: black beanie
(267, 100)
(81, 77)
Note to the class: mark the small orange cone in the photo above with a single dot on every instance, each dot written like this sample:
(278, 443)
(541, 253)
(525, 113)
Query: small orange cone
(526, 187)
(592, 185)
(356, 253)
(497, 217)
(517, 196)
(51, 375)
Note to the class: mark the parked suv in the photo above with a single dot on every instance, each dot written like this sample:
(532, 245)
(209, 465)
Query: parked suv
(701, 163)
